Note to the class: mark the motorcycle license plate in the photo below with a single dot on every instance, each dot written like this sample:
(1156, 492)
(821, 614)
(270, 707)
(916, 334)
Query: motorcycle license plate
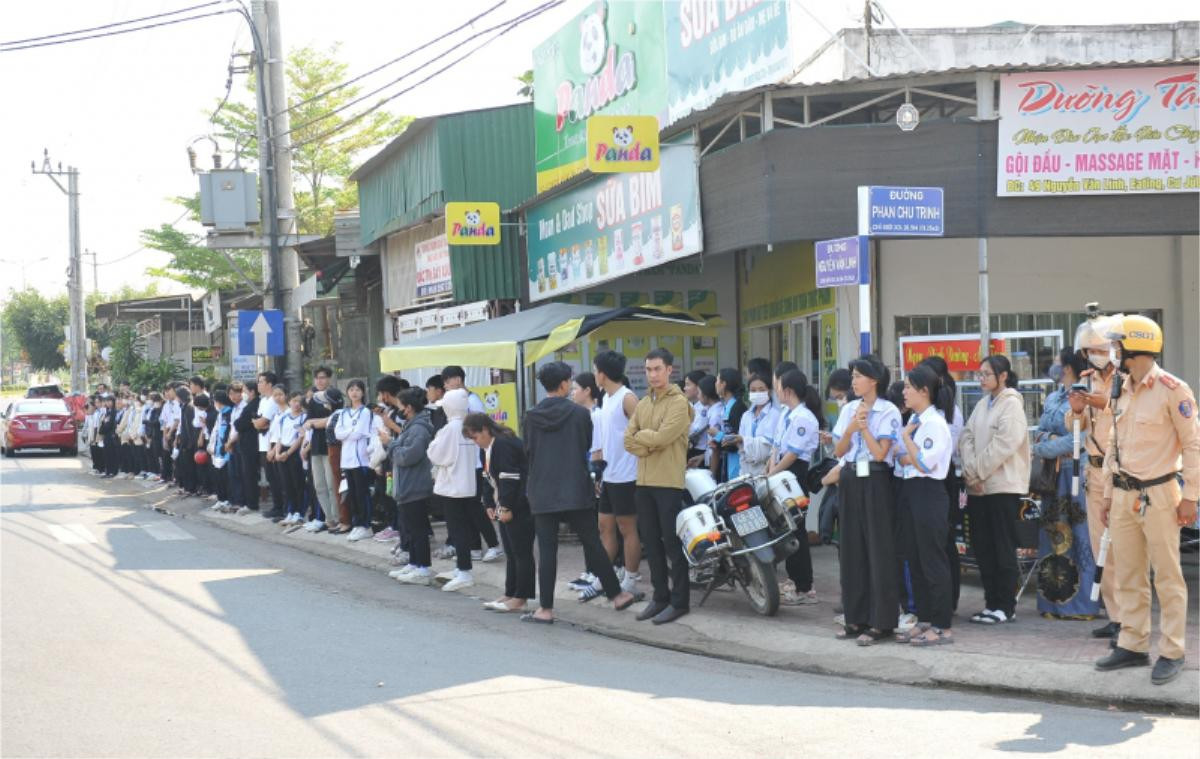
(750, 520)
(44, 426)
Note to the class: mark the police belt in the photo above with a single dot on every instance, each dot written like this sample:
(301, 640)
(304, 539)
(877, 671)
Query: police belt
(1126, 482)
(1096, 461)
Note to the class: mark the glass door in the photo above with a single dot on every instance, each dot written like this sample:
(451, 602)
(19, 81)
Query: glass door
(806, 348)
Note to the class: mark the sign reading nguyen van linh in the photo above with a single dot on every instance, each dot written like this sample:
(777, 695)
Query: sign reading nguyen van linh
(1099, 132)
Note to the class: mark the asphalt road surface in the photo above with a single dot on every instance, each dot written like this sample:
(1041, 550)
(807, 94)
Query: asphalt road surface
(126, 632)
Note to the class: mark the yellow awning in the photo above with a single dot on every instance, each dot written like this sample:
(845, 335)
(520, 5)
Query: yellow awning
(498, 355)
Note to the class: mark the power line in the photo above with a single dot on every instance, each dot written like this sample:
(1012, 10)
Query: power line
(505, 27)
(410, 53)
(115, 23)
(141, 248)
(118, 31)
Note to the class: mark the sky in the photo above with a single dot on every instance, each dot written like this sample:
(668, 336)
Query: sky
(123, 109)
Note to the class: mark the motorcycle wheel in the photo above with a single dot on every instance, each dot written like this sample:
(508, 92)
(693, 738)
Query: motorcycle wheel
(759, 583)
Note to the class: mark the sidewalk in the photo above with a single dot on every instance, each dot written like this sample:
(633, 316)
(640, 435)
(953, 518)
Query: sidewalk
(1031, 657)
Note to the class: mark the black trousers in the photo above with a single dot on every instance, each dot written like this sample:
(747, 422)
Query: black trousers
(112, 455)
(416, 525)
(168, 464)
(657, 508)
(291, 475)
(868, 547)
(994, 542)
(799, 565)
(483, 527)
(97, 457)
(275, 482)
(459, 525)
(127, 458)
(359, 493)
(185, 470)
(953, 520)
(517, 538)
(583, 523)
(155, 453)
(922, 521)
(248, 451)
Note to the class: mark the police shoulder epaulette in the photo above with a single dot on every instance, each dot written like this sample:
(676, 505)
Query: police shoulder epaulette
(1168, 381)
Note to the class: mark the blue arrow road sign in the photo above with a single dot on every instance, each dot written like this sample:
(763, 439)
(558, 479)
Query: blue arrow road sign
(260, 333)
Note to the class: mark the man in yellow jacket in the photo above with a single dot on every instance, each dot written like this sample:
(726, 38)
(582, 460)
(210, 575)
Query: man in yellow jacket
(658, 435)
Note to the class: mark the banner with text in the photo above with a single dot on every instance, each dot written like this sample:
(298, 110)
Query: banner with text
(1099, 132)
(612, 226)
(719, 47)
(433, 267)
(960, 354)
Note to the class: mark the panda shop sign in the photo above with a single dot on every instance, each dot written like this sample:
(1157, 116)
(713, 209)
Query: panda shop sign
(615, 225)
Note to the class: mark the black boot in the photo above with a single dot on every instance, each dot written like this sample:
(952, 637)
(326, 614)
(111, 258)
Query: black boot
(1111, 630)
(1166, 670)
(1121, 658)
(652, 610)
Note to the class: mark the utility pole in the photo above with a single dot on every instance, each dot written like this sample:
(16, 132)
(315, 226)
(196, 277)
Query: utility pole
(95, 270)
(285, 267)
(78, 357)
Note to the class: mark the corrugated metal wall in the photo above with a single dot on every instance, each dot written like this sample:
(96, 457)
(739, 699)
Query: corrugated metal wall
(405, 189)
(488, 155)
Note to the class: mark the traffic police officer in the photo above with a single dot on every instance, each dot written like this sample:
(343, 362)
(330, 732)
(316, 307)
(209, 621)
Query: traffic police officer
(1155, 427)
(1091, 410)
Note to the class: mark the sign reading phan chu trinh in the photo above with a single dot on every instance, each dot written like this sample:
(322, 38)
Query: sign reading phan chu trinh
(472, 223)
(615, 224)
(1099, 132)
(608, 60)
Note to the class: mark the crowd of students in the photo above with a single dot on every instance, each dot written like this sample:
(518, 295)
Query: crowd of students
(610, 466)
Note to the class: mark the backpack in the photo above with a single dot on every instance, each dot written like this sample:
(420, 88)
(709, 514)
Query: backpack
(331, 428)
(437, 416)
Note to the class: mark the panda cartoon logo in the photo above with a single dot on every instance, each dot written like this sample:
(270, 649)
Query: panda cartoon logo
(593, 40)
(491, 402)
(623, 137)
(473, 218)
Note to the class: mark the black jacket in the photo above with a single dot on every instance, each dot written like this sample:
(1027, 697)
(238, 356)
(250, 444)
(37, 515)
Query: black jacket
(108, 425)
(509, 470)
(558, 436)
(188, 434)
(244, 424)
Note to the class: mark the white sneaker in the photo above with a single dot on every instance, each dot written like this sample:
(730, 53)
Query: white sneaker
(461, 580)
(477, 555)
(244, 511)
(492, 554)
(216, 506)
(419, 576)
(447, 576)
(629, 584)
(396, 574)
(445, 552)
(359, 533)
(906, 622)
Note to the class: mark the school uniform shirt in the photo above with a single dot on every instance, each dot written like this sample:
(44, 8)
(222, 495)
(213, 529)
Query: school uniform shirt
(956, 428)
(290, 428)
(884, 422)
(797, 434)
(714, 419)
(170, 416)
(597, 432)
(935, 447)
(355, 426)
(234, 415)
(757, 431)
(698, 432)
(267, 409)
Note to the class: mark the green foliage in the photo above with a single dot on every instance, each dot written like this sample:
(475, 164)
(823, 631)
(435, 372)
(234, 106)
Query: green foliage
(156, 374)
(320, 164)
(36, 323)
(526, 80)
(193, 263)
(127, 352)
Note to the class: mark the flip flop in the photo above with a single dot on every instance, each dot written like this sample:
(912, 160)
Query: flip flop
(870, 637)
(940, 639)
(850, 632)
(529, 617)
(634, 598)
(915, 632)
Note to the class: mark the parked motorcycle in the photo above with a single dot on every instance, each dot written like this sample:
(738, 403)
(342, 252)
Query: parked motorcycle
(736, 532)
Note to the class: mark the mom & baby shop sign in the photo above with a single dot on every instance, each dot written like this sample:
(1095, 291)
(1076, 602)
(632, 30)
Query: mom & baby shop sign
(1099, 132)
(615, 225)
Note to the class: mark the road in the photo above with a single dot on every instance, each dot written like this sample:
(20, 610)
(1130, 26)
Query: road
(126, 632)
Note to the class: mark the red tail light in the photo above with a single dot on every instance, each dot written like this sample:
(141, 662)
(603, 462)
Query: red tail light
(741, 499)
(17, 424)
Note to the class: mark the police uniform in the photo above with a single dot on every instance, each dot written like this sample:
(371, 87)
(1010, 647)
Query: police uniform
(1155, 427)
(1095, 427)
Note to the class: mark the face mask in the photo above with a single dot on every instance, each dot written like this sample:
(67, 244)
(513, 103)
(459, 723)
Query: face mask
(759, 398)
(1100, 362)
(840, 402)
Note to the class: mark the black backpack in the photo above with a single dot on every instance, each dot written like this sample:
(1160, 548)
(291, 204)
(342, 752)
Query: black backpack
(331, 427)
(438, 417)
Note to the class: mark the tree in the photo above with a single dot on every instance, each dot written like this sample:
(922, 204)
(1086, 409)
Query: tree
(325, 146)
(526, 80)
(37, 325)
(195, 264)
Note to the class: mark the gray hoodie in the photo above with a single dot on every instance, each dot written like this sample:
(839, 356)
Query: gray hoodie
(412, 475)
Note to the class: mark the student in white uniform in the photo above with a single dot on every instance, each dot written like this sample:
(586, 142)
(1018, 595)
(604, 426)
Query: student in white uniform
(796, 442)
(866, 430)
(756, 432)
(355, 426)
(924, 457)
(289, 438)
(954, 415)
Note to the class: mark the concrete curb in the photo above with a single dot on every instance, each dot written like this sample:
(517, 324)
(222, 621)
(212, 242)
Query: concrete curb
(765, 642)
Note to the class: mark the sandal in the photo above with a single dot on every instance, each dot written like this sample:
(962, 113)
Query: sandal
(914, 632)
(988, 617)
(872, 636)
(934, 636)
(850, 632)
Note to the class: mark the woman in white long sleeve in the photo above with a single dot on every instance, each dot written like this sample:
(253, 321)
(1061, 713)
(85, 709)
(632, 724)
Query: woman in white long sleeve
(355, 426)
(756, 431)
(453, 458)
